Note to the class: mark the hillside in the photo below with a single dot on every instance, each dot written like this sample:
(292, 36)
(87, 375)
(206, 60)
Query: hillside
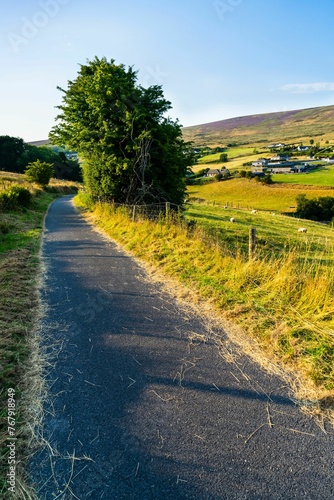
(265, 128)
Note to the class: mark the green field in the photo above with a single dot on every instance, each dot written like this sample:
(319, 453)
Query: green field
(324, 176)
(232, 153)
(250, 194)
(276, 234)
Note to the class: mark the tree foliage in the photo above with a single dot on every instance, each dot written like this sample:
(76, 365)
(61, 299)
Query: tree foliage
(12, 150)
(15, 155)
(131, 152)
(318, 209)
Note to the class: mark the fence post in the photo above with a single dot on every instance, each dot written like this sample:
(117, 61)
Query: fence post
(252, 243)
(167, 209)
(134, 213)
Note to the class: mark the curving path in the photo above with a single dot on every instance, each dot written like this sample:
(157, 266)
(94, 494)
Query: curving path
(138, 411)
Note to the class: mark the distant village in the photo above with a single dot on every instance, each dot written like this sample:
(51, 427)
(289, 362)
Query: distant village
(281, 161)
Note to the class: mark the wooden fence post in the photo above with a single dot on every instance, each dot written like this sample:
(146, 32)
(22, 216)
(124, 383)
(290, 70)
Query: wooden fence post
(167, 209)
(252, 243)
(134, 213)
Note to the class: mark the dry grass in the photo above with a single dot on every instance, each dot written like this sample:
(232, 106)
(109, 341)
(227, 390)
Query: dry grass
(18, 307)
(21, 363)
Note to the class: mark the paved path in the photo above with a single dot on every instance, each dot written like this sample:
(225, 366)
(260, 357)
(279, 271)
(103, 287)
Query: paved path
(158, 416)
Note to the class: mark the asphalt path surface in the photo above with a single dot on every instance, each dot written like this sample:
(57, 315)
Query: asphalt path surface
(140, 407)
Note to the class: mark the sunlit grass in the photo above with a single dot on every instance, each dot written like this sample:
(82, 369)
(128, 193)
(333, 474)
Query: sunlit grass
(323, 176)
(246, 193)
(276, 233)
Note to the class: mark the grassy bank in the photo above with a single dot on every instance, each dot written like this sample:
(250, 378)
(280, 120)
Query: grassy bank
(284, 300)
(20, 238)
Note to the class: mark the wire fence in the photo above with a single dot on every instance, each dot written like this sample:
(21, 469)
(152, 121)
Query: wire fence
(152, 211)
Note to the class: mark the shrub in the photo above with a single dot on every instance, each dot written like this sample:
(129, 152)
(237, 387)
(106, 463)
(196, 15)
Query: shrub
(266, 179)
(15, 197)
(40, 172)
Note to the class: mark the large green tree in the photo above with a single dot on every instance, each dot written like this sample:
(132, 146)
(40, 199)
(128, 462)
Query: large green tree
(131, 152)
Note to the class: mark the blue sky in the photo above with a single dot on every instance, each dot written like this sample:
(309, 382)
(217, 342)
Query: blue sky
(215, 59)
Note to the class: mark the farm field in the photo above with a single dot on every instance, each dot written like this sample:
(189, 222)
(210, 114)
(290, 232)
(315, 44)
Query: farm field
(238, 156)
(276, 234)
(245, 193)
(324, 176)
(234, 164)
(232, 153)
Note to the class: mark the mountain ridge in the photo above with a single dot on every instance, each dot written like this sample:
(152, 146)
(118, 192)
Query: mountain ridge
(264, 127)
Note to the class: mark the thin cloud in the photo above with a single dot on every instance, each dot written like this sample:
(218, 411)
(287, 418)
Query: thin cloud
(308, 88)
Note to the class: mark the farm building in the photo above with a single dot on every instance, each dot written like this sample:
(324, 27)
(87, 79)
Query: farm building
(280, 158)
(217, 171)
(261, 162)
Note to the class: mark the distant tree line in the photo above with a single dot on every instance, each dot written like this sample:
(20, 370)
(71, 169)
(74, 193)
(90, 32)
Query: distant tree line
(317, 209)
(15, 155)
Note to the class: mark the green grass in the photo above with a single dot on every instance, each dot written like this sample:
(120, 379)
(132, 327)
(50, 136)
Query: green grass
(323, 176)
(244, 193)
(232, 153)
(20, 237)
(277, 234)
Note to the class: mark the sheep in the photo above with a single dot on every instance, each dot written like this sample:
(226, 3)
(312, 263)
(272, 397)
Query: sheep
(302, 230)
(232, 219)
(254, 211)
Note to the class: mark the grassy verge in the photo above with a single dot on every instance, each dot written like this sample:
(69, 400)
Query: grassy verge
(283, 301)
(20, 235)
